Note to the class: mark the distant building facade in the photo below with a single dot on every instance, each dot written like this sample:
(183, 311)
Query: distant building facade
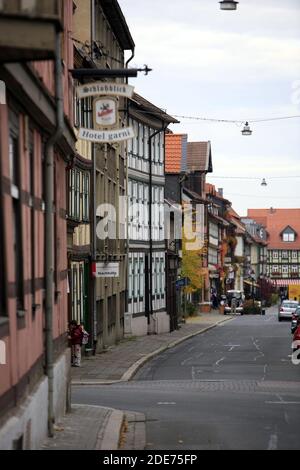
(283, 228)
(147, 312)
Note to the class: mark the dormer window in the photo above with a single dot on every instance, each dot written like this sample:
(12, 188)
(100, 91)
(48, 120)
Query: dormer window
(288, 235)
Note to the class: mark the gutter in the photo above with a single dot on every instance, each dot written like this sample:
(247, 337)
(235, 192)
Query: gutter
(49, 230)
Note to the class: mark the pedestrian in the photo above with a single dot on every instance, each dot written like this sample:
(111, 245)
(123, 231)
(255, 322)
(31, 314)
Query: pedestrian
(76, 337)
(86, 335)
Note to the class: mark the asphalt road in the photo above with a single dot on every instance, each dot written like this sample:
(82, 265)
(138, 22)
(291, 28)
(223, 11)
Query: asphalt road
(233, 387)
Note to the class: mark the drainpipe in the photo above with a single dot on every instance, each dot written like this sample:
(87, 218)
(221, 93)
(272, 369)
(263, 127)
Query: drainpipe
(94, 203)
(127, 184)
(49, 226)
(164, 127)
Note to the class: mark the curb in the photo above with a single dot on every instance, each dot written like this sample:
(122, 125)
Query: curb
(111, 435)
(130, 373)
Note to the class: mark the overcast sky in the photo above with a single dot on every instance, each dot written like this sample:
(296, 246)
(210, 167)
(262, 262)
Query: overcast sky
(238, 65)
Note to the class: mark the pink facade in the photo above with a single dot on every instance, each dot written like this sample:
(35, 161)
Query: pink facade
(24, 335)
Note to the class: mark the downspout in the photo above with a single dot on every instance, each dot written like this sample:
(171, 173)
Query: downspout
(164, 127)
(94, 202)
(49, 226)
(127, 185)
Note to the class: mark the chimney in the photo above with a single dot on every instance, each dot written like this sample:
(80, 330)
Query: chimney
(221, 192)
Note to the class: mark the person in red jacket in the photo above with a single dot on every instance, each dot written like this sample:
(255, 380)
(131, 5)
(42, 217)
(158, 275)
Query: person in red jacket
(76, 336)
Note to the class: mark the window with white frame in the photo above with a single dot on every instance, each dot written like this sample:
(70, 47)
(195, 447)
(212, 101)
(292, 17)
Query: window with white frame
(295, 269)
(142, 277)
(285, 269)
(79, 195)
(275, 254)
(135, 277)
(288, 237)
(284, 254)
(130, 279)
(275, 269)
(163, 281)
(294, 255)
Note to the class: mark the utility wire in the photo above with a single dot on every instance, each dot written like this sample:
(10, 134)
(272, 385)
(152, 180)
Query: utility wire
(253, 178)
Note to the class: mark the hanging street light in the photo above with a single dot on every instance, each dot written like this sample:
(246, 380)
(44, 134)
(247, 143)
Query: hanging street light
(228, 5)
(247, 130)
(264, 183)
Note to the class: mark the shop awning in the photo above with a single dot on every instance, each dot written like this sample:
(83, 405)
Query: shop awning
(286, 282)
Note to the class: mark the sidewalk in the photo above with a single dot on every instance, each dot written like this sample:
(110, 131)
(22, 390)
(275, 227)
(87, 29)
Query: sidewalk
(97, 428)
(120, 363)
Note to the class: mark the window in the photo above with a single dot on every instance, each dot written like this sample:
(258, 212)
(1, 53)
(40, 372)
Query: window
(294, 269)
(135, 278)
(284, 254)
(86, 197)
(84, 113)
(130, 280)
(163, 282)
(289, 237)
(294, 254)
(275, 254)
(275, 269)
(79, 195)
(142, 274)
(14, 161)
(32, 213)
(285, 269)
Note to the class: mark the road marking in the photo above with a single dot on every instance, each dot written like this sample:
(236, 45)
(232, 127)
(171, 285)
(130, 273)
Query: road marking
(232, 346)
(166, 403)
(283, 402)
(220, 360)
(265, 370)
(273, 442)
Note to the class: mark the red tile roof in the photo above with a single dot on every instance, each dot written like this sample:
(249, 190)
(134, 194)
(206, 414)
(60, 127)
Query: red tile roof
(276, 220)
(175, 152)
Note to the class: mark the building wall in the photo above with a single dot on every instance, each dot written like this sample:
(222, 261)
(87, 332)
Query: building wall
(139, 270)
(23, 134)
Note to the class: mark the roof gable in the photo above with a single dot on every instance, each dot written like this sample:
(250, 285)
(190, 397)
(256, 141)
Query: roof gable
(199, 157)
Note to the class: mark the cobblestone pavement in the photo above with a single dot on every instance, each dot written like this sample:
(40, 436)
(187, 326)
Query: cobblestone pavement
(120, 362)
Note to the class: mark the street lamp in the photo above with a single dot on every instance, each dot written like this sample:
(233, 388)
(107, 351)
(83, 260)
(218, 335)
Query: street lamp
(247, 130)
(228, 5)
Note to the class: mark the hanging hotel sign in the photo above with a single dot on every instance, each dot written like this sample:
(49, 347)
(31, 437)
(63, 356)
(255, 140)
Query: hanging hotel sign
(106, 112)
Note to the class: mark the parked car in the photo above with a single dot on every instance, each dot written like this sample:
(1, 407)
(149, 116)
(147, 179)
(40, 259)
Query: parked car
(286, 309)
(234, 302)
(295, 320)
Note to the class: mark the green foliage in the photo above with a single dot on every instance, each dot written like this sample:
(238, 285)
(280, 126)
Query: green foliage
(274, 299)
(190, 309)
